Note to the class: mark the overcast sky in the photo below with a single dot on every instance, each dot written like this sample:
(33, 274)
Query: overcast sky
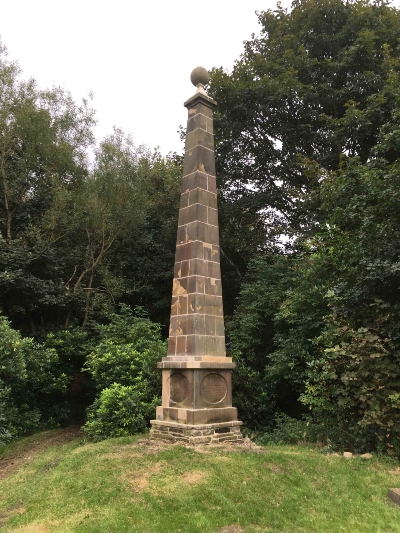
(136, 56)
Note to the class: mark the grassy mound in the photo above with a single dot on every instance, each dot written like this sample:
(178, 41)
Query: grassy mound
(129, 485)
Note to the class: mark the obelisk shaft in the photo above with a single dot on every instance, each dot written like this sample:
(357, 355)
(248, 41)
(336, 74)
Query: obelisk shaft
(197, 323)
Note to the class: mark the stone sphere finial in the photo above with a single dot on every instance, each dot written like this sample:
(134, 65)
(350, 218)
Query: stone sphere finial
(199, 76)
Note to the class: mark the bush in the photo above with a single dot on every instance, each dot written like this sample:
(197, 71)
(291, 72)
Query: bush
(287, 431)
(32, 385)
(124, 368)
(119, 411)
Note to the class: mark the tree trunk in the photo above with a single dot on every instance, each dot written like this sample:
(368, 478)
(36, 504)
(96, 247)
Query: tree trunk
(67, 318)
(32, 324)
(88, 295)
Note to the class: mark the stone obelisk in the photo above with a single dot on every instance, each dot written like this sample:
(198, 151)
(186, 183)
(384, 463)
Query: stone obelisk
(196, 374)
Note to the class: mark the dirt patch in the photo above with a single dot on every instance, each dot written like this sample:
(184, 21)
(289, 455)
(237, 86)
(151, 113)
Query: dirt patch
(276, 469)
(193, 477)
(32, 528)
(140, 480)
(230, 529)
(17, 508)
(23, 454)
(157, 446)
(153, 447)
(396, 471)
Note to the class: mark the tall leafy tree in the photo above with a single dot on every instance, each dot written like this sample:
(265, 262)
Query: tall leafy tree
(308, 90)
(43, 140)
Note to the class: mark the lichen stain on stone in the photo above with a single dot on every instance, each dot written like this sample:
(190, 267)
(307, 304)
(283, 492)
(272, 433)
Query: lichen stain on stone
(177, 288)
(192, 111)
(212, 281)
(179, 331)
(215, 252)
(175, 308)
(180, 273)
(191, 307)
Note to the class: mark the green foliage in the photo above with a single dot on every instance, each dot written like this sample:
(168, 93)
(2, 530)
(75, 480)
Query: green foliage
(119, 411)
(309, 88)
(352, 379)
(287, 430)
(124, 365)
(32, 385)
(316, 140)
(258, 385)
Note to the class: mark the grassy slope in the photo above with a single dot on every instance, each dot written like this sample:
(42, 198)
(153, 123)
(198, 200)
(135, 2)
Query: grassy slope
(120, 486)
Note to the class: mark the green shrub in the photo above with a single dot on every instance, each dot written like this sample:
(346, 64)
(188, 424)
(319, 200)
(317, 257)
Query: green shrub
(32, 385)
(124, 367)
(287, 431)
(119, 411)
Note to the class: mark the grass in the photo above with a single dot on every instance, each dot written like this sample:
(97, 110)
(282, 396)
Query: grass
(122, 485)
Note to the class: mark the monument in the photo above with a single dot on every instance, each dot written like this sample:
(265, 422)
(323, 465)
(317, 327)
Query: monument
(196, 374)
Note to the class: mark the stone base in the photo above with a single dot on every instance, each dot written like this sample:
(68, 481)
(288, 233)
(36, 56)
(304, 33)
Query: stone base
(197, 434)
(196, 417)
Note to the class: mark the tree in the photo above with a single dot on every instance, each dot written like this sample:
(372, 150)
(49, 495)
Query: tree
(323, 81)
(112, 199)
(43, 140)
(32, 385)
(310, 89)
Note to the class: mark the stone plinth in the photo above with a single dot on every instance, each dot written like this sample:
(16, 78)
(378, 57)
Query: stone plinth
(196, 374)
(198, 433)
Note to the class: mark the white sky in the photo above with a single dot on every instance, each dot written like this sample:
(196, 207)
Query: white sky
(136, 56)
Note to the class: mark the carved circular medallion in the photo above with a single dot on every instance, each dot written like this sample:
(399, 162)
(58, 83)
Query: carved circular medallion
(213, 388)
(178, 388)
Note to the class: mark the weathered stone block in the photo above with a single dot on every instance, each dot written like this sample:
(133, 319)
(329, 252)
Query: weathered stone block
(212, 269)
(199, 137)
(171, 346)
(179, 305)
(209, 325)
(184, 202)
(190, 250)
(199, 158)
(201, 196)
(192, 214)
(215, 253)
(200, 231)
(213, 286)
(198, 121)
(219, 326)
(196, 180)
(181, 345)
(200, 440)
(181, 269)
(212, 305)
(212, 216)
(203, 110)
(196, 284)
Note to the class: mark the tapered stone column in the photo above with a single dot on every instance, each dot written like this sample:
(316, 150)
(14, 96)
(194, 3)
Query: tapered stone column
(196, 374)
